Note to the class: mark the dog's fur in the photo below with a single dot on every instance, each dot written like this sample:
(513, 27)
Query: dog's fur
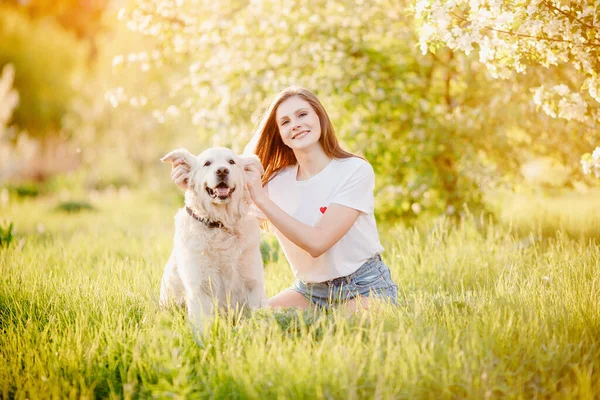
(214, 266)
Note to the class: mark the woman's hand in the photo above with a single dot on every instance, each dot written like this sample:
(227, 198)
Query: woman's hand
(254, 183)
(180, 172)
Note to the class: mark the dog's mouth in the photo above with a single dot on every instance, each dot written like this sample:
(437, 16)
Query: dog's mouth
(222, 191)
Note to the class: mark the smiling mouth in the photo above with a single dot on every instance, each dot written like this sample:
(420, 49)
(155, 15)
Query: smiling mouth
(222, 191)
(300, 134)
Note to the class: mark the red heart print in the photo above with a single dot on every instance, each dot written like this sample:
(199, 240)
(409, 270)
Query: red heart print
(323, 209)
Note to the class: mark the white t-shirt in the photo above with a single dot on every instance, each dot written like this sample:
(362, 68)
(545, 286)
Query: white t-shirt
(348, 182)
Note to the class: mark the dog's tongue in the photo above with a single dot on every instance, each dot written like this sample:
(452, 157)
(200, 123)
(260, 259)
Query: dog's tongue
(222, 191)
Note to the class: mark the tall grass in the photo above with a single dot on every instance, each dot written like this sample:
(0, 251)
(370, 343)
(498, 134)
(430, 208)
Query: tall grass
(482, 314)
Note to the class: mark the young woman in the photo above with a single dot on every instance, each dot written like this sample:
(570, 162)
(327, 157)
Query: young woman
(319, 199)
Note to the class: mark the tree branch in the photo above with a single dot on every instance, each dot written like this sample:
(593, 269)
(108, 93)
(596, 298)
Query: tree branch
(567, 15)
(591, 44)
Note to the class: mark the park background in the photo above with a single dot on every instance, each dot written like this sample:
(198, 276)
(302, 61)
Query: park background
(480, 119)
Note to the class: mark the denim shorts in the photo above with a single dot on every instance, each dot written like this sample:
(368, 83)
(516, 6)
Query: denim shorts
(370, 279)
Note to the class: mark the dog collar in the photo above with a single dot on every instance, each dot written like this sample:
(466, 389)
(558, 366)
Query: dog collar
(205, 221)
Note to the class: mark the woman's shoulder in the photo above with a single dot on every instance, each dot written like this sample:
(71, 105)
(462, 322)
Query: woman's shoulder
(353, 164)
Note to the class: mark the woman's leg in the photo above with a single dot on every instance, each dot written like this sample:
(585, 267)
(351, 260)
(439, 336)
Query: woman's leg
(356, 304)
(289, 298)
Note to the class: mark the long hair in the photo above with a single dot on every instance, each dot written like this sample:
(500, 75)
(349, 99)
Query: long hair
(271, 150)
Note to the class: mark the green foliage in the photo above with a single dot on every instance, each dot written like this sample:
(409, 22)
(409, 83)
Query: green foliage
(25, 189)
(481, 315)
(74, 206)
(49, 63)
(6, 234)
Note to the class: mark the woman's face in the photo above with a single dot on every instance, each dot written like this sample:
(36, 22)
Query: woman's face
(298, 124)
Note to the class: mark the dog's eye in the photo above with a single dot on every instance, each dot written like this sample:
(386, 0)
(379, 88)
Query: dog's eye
(231, 162)
(206, 164)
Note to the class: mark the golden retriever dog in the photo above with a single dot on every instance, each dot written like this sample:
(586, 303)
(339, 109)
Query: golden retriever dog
(216, 259)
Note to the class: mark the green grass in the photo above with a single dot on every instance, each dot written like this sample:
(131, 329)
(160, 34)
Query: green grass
(482, 314)
(547, 214)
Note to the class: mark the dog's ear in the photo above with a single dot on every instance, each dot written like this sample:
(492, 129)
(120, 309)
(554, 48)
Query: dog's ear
(183, 154)
(251, 159)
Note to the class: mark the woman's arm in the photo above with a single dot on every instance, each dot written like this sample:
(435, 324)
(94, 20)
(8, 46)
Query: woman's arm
(255, 211)
(316, 240)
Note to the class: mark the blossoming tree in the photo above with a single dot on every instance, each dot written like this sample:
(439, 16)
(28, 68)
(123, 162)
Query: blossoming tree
(435, 127)
(522, 35)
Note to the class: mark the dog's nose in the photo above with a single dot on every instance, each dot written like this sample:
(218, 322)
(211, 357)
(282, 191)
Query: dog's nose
(222, 172)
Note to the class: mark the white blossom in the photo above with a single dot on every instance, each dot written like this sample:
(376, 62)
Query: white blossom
(510, 36)
(590, 164)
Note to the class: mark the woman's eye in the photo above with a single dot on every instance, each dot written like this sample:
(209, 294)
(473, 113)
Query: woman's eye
(206, 164)
(284, 123)
(231, 162)
(303, 114)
